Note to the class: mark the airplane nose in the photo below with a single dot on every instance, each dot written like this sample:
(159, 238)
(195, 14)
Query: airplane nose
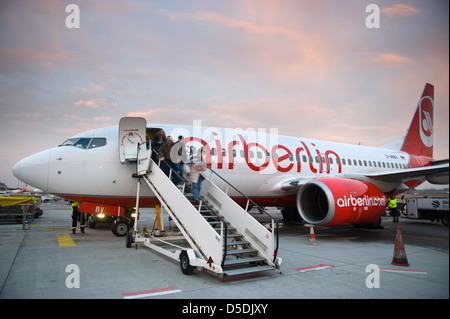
(33, 170)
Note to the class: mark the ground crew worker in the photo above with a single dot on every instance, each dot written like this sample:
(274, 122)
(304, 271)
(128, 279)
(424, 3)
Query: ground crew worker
(393, 209)
(77, 215)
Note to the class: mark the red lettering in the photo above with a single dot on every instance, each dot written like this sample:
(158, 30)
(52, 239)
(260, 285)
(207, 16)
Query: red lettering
(208, 149)
(276, 162)
(231, 154)
(219, 152)
(247, 160)
(284, 157)
(311, 167)
(328, 161)
(297, 154)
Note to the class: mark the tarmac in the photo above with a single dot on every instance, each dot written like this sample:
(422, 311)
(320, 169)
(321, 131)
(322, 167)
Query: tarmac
(347, 263)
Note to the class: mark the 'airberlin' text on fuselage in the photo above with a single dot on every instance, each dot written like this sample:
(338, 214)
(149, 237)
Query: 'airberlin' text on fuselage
(282, 158)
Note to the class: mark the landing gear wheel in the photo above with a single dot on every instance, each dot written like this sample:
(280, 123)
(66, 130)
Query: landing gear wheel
(186, 268)
(120, 228)
(129, 240)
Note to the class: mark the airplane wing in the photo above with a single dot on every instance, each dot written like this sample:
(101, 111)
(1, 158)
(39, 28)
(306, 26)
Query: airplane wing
(435, 174)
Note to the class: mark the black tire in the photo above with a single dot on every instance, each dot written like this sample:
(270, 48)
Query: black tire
(129, 240)
(186, 268)
(90, 222)
(120, 228)
(444, 219)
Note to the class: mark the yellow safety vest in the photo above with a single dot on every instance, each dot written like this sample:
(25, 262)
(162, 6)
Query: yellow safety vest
(393, 203)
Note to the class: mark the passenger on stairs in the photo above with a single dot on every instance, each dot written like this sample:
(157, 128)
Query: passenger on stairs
(193, 169)
(157, 141)
(166, 162)
(178, 160)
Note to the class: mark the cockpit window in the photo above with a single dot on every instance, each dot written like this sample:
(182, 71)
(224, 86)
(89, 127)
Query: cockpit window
(85, 142)
(69, 142)
(82, 142)
(97, 142)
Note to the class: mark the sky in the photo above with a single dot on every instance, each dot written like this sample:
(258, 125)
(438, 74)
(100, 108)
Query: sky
(308, 68)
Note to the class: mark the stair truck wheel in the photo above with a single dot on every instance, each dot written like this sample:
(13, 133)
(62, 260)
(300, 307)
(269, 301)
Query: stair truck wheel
(120, 227)
(186, 268)
(129, 240)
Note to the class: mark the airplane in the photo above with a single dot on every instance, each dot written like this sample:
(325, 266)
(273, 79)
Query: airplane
(320, 182)
(15, 191)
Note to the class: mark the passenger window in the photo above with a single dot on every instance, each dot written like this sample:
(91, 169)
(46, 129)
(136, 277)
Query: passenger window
(343, 161)
(97, 142)
(224, 152)
(259, 154)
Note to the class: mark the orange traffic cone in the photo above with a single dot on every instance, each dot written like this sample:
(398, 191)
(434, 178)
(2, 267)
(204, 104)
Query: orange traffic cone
(312, 237)
(399, 251)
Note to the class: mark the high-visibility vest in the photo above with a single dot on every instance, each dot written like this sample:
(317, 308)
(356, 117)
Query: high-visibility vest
(393, 203)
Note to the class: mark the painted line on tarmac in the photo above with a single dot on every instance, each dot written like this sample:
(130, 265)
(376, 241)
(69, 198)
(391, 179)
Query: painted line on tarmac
(405, 271)
(64, 240)
(316, 267)
(150, 293)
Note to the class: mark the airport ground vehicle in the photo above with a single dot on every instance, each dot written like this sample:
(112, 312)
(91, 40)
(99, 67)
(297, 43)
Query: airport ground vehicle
(433, 208)
(12, 209)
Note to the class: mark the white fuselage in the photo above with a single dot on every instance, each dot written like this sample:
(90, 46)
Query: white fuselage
(256, 163)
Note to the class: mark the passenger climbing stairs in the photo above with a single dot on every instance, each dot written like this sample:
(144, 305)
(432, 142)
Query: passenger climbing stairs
(215, 234)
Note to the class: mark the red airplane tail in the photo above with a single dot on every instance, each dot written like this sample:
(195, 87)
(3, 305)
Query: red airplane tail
(419, 137)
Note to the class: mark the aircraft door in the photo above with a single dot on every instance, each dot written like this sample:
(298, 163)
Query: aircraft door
(131, 132)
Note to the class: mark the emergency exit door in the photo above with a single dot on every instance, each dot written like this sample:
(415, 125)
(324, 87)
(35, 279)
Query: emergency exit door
(131, 133)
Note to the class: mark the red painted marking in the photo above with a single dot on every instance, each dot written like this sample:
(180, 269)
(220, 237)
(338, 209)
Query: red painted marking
(148, 291)
(405, 270)
(316, 267)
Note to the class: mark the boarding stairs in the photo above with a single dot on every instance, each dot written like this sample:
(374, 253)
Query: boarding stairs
(215, 234)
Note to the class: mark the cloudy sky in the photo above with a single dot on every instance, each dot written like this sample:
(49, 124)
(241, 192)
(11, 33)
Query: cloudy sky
(308, 68)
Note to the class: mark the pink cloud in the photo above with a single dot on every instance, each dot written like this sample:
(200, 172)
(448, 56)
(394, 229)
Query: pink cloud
(400, 10)
(385, 60)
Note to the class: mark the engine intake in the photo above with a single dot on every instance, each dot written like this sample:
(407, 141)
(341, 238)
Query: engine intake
(336, 201)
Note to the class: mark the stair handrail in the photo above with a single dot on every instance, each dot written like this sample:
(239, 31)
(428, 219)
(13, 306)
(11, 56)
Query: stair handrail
(185, 181)
(262, 210)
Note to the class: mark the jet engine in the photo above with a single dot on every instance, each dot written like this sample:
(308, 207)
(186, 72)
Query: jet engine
(335, 201)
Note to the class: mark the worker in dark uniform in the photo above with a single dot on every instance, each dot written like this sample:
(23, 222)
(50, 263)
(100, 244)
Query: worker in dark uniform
(77, 215)
(393, 209)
